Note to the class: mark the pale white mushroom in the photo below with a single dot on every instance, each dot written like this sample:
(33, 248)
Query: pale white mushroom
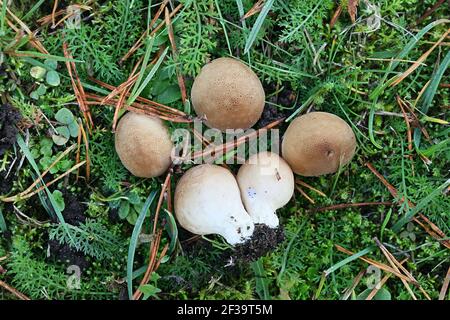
(208, 201)
(267, 184)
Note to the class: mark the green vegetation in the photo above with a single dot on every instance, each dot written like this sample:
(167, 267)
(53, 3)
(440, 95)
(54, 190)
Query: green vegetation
(366, 71)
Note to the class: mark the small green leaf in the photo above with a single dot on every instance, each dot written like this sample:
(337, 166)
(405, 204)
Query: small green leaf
(124, 209)
(52, 78)
(46, 150)
(52, 64)
(149, 290)
(41, 90)
(37, 72)
(170, 95)
(382, 294)
(73, 128)
(34, 95)
(63, 131)
(59, 199)
(64, 116)
(132, 217)
(133, 198)
(59, 140)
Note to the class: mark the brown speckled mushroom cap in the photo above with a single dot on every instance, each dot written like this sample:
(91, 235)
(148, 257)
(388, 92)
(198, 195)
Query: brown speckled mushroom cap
(317, 143)
(228, 94)
(143, 144)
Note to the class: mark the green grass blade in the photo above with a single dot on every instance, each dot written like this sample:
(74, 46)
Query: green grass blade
(262, 287)
(149, 76)
(353, 257)
(46, 56)
(224, 28)
(3, 226)
(148, 50)
(385, 222)
(27, 154)
(286, 252)
(422, 204)
(134, 240)
(3, 18)
(430, 92)
(241, 13)
(172, 230)
(257, 26)
(33, 9)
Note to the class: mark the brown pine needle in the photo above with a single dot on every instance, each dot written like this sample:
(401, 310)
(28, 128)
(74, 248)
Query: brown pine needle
(336, 15)
(445, 285)
(422, 220)
(55, 6)
(143, 100)
(161, 198)
(398, 266)
(408, 126)
(14, 291)
(415, 65)
(355, 282)
(377, 264)
(352, 205)
(257, 7)
(304, 184)
(378, 286)
(303, 193)
(78, 88)
(140, 42)
(39, 179)
(226, 147)
(86, 146)
(173, 44)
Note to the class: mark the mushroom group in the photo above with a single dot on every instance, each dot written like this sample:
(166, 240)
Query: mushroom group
(209, 199)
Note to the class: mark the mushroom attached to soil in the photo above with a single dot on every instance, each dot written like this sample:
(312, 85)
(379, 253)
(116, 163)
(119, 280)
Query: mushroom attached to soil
(318, 143)
(143, 144)
(228, 94)
(207, 201)
(267, 184)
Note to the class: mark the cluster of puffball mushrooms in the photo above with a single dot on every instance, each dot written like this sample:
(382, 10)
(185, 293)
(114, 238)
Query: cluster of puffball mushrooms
(210, 199)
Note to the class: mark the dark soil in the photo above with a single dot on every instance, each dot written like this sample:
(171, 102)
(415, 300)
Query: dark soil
(264, 240)
(74, 215)
(9, 117)
(285, 98)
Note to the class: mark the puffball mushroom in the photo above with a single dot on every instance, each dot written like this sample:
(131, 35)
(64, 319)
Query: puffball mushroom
(143, 144)
(318, 143)
(207, 201)
(228, 94)
(267, 184)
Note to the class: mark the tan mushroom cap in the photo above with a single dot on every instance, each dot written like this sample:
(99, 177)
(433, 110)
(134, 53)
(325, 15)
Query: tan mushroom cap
(143, 144)
(317, 143)
(228, 94)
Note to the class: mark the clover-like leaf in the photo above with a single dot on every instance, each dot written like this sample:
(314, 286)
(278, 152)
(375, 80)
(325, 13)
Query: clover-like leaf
(51, 64)
(73, 128)
(41, 90)
(64, 116)
(37, 72)
(124, 209)
(59, 199)
(52, 78)
(132, 217)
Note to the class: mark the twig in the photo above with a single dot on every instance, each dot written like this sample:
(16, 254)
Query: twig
(377, 264)
(430, 11)
(14, 291)
(303, 193)
(336, 15)
(445, 285)
(355, 282)
(180, 78)
(352, 205)
(422, 220)
(304, 184)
